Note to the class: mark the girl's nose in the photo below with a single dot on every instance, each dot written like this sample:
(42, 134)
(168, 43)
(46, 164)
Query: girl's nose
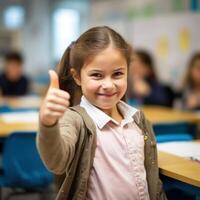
(107, 84)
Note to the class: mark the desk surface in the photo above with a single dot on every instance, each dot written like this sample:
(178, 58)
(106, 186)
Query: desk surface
(7, 128)
(157, 114)
(31, 102)
(154, 113)
(21, 102)
(179, 168)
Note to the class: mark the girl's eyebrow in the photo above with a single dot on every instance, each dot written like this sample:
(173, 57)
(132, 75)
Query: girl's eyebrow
(119, 69)
(95, 70)
(98, 70)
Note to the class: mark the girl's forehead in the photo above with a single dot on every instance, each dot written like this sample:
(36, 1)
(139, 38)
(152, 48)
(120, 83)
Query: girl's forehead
(105, 58)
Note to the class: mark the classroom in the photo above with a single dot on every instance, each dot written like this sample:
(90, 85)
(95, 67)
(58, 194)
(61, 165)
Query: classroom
(99, 100)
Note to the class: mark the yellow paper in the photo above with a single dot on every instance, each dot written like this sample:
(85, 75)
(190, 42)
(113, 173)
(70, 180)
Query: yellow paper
(163, 47)
(184, 39)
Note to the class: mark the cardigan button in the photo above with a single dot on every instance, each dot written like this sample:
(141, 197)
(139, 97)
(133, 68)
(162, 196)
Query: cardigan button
(145, 137)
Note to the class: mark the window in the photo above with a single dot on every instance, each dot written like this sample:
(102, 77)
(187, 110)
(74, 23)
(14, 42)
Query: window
(13, 16)
(65, 29)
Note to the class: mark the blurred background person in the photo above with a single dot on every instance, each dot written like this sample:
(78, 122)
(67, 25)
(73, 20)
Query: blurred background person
(190, 94)
(144, 86)
(13, 82)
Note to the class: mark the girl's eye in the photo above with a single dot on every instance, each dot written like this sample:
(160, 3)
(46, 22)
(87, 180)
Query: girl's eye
(96, 75)
(118, 73)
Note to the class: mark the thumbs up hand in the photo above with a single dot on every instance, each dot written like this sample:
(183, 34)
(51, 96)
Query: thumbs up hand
(55, 103)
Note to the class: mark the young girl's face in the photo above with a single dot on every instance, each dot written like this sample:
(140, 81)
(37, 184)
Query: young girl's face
(103, 79)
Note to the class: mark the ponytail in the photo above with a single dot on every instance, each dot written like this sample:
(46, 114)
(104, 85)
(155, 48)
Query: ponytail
(66, 80)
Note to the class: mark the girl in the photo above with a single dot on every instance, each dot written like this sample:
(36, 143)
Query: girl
(191, 85)
(105, 148)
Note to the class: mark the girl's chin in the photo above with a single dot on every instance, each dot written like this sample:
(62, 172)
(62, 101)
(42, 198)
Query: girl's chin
(105, 107)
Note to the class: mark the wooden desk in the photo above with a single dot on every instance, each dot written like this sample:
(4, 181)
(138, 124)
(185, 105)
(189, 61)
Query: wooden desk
(7, 128)
(157, 114)
(21, 102)
(179, 168)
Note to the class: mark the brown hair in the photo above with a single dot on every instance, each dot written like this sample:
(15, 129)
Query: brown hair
(14, 56)
(188, 79)
(87, 46)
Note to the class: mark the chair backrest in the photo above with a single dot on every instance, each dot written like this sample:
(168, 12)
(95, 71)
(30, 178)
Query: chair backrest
(21, 162)
(180, 131)
(4, 109)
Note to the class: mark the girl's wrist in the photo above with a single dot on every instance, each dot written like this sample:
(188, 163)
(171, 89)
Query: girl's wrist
(47, 123)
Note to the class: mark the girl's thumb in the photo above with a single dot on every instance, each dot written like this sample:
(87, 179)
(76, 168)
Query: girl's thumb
(54, 81)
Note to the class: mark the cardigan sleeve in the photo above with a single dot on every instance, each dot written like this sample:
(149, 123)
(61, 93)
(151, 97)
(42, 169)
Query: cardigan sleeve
(56, 144)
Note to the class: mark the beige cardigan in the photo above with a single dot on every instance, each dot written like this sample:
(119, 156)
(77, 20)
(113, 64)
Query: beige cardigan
(68, 148)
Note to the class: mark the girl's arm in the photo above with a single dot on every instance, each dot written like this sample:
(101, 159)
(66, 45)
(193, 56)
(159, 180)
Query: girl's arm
(56, 144)
(58, 128)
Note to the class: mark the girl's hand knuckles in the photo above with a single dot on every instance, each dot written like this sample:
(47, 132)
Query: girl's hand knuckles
(48, 105)
(50, 98)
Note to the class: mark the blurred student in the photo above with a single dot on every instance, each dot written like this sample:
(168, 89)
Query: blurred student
(191, 85)
(144, 87)
(12, 80)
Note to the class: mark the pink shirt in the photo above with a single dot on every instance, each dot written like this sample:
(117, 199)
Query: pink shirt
(118, 171)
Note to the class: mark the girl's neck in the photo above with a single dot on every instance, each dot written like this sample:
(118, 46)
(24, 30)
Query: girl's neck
(114, 113)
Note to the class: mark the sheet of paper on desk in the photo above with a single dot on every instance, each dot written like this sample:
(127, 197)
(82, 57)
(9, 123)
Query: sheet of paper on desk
(183, 149)
(16, 117)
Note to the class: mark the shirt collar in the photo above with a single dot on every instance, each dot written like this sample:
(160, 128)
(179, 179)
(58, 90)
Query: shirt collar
(101, 119)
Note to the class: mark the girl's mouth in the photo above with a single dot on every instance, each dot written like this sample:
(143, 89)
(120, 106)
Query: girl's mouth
(107, 94)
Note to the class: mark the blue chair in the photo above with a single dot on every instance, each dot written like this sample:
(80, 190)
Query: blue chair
(180, 131)
(22, 166)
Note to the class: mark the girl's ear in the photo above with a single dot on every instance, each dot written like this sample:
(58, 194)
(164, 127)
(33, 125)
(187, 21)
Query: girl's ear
(76, 76)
